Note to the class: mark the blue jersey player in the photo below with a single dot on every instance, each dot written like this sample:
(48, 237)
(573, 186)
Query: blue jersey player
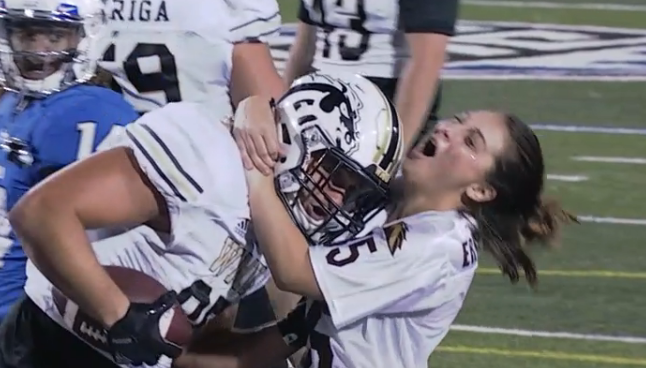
(50, 116)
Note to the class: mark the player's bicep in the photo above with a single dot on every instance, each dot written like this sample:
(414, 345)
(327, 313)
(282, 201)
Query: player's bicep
(105, 190)
(254, 73)
(157, 151)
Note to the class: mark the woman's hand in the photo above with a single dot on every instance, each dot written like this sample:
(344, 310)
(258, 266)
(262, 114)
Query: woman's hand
(254, 130)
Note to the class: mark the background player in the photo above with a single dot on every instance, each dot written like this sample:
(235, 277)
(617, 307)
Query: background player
(398, 44)
(49, 115)
(165, 51)
(168, 175)
(388, 299)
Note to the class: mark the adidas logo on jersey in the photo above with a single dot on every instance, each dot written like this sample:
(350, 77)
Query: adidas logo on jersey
(241, 228)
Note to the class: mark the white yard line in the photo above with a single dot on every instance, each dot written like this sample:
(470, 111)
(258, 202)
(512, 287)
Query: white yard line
(567, 178)
(558, 335)
(530, 77)
(611, 160)
(588, 129)
(556, 5)
(612, 220)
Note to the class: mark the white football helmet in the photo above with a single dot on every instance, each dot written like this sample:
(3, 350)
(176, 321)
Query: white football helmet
(342, 142)
(49, 45)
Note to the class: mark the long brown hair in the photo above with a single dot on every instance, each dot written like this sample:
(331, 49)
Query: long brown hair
(518, 216)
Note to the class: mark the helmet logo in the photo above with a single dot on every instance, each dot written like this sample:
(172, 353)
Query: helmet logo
(67, 10)
(338, 101)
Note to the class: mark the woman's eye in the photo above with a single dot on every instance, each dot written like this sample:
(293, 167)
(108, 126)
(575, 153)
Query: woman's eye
(470, 142)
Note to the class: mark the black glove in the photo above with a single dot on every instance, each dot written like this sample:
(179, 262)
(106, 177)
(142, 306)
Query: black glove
(135, 339)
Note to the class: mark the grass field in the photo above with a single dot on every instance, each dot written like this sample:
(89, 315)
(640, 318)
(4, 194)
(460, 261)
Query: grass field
(593, 289)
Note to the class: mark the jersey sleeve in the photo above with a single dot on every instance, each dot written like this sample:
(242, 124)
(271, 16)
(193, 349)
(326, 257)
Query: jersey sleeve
(423, 16)
(388, 271)
(253, 20)
(167, 155)
(77, 127)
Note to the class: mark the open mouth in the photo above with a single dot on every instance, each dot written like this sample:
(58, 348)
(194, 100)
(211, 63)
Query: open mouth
(318, 211)
(429, 148)
(32, 69)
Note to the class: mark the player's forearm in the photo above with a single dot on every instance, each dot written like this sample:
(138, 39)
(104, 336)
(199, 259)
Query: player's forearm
(282, 244)
(254, 73)
(415, 93)
(195, 360)
(301, 54)
(242, 350)
(55, 240)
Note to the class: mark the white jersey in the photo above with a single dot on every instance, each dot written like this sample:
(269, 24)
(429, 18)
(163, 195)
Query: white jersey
(164, 51)
(390, 297)
(193, 162)
(367, 37)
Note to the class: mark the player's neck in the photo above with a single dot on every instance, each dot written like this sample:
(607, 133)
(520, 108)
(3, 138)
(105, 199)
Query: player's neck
(412, 203)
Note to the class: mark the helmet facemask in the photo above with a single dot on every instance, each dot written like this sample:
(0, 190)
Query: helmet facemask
(42, 53)
(329, 196)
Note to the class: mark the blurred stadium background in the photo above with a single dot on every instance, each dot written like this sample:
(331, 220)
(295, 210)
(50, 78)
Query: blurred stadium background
(577, 70)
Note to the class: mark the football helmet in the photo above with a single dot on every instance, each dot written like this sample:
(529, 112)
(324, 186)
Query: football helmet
(342, 142)
(49, 45)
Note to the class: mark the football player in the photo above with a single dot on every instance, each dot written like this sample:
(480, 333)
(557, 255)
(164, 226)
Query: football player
(164, 51)
(180, 188)
(387, 299)
(399, 45)
(50, 115)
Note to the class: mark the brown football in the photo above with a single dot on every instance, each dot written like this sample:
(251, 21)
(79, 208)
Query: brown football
(174, 326)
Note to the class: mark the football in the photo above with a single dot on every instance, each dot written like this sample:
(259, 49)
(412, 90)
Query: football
(174, 326)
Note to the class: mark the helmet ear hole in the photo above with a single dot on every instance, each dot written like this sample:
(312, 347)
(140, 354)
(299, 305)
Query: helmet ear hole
(284, 135)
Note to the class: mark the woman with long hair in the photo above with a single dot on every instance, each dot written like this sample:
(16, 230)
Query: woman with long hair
(474, 183)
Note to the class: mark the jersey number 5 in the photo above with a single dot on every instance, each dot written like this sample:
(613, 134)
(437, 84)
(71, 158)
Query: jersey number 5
(163, 80)
(336, 258)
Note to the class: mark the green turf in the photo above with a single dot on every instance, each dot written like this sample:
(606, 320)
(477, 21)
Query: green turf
(618, 2)
(585, 103)
(627, 19)
(608, 295)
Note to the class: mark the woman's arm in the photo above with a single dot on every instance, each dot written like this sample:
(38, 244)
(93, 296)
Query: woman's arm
(283, 245)
(105, 190)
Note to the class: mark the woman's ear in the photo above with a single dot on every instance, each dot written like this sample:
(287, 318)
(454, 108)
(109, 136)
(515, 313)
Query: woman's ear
(481, 192)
